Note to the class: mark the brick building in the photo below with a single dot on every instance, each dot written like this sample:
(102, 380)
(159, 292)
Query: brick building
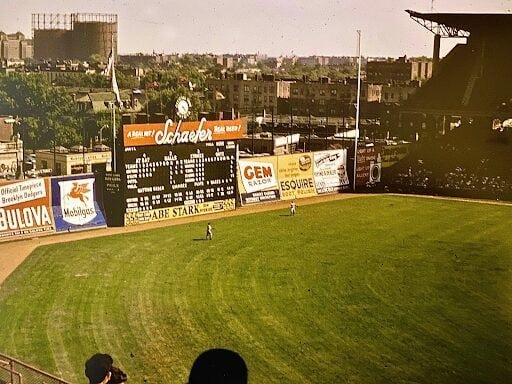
(399, 71)
(326, 98)
(11, 150)
(15, 47)
(246, 95)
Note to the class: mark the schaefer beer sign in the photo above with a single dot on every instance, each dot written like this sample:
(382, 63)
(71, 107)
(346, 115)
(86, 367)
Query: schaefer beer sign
(189, 132)
(25, 209)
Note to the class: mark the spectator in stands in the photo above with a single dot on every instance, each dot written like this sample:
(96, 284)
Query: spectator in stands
(99, 369)
(218, 366)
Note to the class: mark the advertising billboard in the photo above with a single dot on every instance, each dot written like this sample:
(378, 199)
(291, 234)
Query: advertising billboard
(25, 209)
(368, 168)
(167, 213)
(190, 132)
(190, 165)
(113, 199)
(257, 182)
(295, 175)
(330, 171)
(74, 203)
(392, 154)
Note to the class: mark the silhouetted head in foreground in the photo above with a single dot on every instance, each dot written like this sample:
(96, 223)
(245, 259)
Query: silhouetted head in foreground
(99, 370)
(218, 366)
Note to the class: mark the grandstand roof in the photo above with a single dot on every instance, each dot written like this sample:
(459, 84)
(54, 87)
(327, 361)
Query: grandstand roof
(455, 22)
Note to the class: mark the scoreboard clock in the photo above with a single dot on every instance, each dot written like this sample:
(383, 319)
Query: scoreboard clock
(183, 107)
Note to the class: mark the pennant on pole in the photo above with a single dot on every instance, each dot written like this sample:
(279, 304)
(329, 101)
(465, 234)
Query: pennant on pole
(110, 71)
(115, 88)
(110, 62)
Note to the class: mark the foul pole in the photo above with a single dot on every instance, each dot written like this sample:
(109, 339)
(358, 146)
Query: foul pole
(356, 136)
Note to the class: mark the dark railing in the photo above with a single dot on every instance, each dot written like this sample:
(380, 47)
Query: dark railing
(13, 371)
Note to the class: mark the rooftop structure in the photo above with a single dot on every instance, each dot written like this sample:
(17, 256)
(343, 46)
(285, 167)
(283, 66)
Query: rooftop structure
(474, 78)
(74, 36)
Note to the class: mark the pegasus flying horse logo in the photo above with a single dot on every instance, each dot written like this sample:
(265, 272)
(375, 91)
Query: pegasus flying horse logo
(78, 191)
(77, 201)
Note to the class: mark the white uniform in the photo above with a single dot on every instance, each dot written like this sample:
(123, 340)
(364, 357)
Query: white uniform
(209, 233)
(293, 206)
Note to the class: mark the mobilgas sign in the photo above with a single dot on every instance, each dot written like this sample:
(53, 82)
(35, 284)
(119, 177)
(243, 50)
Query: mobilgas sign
(74, 203)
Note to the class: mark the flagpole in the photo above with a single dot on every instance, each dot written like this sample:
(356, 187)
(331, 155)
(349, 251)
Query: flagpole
(113, 110)
(114, 138)
(356, 136)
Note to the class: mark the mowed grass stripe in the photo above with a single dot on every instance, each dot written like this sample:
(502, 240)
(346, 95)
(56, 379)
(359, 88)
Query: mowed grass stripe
(377, 289)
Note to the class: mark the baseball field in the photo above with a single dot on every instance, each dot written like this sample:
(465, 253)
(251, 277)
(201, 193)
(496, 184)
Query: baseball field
(377, 289)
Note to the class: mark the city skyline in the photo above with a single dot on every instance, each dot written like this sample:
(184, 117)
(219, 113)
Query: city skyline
(304, 28)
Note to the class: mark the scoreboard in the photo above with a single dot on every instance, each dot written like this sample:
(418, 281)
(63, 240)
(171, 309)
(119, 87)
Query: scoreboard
(166, 180)
(166, 176)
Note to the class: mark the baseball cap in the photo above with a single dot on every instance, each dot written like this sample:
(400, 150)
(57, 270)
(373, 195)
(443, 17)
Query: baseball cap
(98, 367)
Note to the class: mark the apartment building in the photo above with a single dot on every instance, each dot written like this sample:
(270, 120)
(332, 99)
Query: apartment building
(11, 150)
(15, 47)
(225, 61)
(399, 71)
(246, 95)
(313, 61)
(396, 94)
(326, 98)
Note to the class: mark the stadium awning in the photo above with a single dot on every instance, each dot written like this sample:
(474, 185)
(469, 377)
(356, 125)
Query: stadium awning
(461, 24)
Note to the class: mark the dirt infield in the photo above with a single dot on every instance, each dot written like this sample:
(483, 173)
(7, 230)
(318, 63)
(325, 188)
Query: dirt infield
(13, 253)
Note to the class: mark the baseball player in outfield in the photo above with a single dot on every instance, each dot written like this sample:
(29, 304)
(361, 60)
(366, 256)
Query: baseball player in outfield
(293, 208)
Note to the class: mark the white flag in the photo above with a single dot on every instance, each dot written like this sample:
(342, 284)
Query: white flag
(115, 88)
(110, 63)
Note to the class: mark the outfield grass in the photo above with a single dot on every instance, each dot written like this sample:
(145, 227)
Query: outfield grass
(365, 290)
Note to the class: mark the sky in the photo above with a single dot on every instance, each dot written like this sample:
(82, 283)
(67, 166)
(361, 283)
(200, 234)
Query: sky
(273, 27)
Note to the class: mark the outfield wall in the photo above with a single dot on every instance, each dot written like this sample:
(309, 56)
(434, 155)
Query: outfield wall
(170, 171)
(289, 177)
(35, 207)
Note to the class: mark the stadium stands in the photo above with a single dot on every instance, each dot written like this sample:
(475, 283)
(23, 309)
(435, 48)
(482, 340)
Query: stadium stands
(474, 78)
(466, 162)
(472, 85)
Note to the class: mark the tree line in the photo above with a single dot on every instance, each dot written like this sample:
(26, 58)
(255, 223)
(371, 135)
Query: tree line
(49, 116)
